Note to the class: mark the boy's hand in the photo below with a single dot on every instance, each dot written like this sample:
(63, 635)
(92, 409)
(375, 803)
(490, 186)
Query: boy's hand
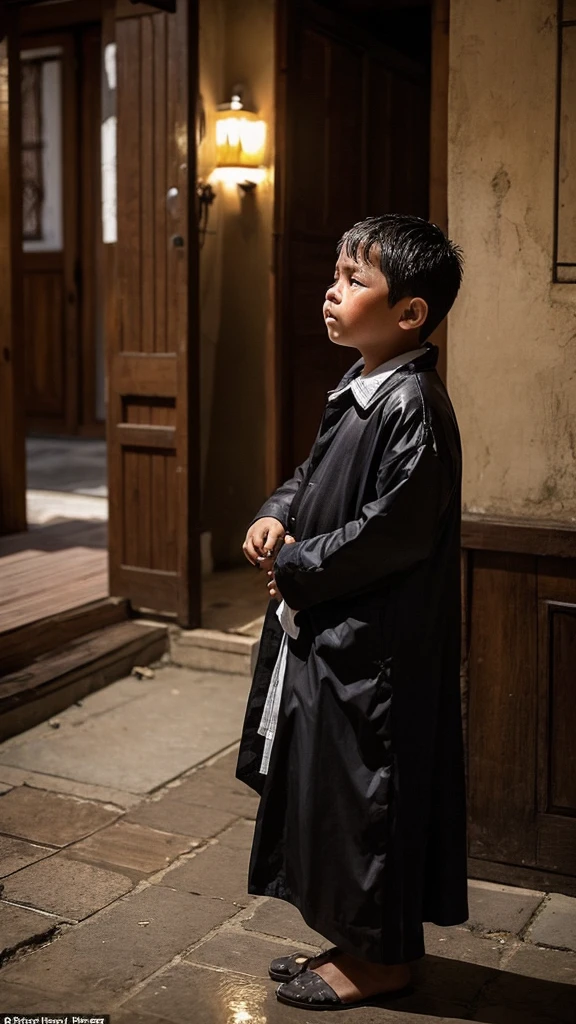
(272, 585)
(262, 540)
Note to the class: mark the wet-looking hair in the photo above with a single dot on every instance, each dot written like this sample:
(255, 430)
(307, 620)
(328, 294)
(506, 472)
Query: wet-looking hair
(416, 259)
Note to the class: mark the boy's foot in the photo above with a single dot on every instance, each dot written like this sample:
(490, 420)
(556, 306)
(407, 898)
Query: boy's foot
(353, 979)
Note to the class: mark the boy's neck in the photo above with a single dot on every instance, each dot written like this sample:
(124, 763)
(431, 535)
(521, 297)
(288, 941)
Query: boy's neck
(374, 357)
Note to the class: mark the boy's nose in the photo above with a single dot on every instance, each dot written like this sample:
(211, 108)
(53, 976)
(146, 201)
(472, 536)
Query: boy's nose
(332, 294)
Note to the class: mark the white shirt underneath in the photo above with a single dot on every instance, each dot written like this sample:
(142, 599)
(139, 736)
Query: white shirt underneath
(364, 388)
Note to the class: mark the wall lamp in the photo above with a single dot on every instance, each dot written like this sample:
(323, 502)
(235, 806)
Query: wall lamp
(240, 144)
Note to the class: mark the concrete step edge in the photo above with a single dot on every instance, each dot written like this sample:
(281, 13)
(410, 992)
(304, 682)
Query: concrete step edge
(214, 640)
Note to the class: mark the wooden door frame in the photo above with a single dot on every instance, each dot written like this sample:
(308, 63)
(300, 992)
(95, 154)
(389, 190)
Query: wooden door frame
(89, 226)
(12, 426)
(438, 207)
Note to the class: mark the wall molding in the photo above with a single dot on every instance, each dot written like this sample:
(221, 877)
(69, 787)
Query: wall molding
(518, 536)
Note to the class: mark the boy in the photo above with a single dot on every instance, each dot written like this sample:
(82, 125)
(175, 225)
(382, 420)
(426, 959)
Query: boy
(353, 729)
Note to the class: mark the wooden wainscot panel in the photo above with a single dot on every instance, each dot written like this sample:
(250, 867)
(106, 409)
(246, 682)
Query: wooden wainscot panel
(520, 615)
(502, 707)
(557, 715)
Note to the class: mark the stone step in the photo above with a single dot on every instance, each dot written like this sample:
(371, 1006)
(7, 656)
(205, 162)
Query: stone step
(211, 650)
(56, 680)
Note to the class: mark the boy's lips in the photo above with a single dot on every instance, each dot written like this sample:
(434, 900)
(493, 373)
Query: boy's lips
(329, 315)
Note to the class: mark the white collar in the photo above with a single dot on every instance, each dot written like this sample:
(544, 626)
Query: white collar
(364, 388)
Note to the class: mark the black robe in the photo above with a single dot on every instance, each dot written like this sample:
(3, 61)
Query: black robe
(362, 821)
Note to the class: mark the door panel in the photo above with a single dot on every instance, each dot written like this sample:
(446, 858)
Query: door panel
(153, 338)
(556, 790)
(51, 255)
(44, 332)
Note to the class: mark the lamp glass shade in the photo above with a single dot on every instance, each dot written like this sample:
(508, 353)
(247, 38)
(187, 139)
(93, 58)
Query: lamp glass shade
(240, 138)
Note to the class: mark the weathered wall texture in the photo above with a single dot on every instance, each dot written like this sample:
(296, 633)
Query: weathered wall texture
(236, 46)
(512, 334)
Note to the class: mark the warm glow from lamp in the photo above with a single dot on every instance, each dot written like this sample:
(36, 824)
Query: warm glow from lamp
(240, 136)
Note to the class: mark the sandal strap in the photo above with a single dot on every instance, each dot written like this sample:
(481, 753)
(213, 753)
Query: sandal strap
(309, 988)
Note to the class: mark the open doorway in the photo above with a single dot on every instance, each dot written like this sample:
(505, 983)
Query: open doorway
(354, 100)
(64, 406)
(344, 88)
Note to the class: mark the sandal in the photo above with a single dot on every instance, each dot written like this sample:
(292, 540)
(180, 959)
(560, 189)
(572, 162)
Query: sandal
(310, 992)
(284, 968)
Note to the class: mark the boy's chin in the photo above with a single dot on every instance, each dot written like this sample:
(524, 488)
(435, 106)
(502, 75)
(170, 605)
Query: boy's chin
(338, 339)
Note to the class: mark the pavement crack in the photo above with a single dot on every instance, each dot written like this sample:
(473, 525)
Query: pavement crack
(536, 913)
(29, 944)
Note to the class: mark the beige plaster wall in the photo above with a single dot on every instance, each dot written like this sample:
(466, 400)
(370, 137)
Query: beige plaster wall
(512, 334)
(236, 45)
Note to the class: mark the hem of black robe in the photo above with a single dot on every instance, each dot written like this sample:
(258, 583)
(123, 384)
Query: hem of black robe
(410, 953)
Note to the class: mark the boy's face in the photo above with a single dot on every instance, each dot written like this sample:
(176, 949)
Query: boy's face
(356, 310)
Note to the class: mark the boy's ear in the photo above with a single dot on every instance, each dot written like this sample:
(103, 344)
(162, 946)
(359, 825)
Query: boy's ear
(412, 316)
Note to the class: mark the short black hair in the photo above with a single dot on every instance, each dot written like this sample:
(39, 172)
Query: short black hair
(416, 258)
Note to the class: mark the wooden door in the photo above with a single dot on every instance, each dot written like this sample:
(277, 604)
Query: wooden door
(12, 451)
(151, 316)
(50, 161)
(344, 101)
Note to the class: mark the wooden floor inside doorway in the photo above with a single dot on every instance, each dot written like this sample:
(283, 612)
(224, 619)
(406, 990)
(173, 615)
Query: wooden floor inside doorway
(63, 565)
(50, 569)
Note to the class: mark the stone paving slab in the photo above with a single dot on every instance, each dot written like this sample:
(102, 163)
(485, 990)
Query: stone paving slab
(548, 964)
(498, 908)
(21, 999)
(200, 789)
(66, 887)
(128, 845)
(185, 992)
(444, 978)
(16, 854)
(122, 945)
(555, 925)
(103, 794)
(51, 818)
(275, 917)
(19, 925)
(458, 943)
(532, 997)
(218, 871)
(185, 717)
(169, 815)
(138, 1018)
(240, 952)
(239, 836)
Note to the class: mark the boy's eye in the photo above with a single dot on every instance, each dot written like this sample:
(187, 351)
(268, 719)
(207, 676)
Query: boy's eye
(354, 280)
